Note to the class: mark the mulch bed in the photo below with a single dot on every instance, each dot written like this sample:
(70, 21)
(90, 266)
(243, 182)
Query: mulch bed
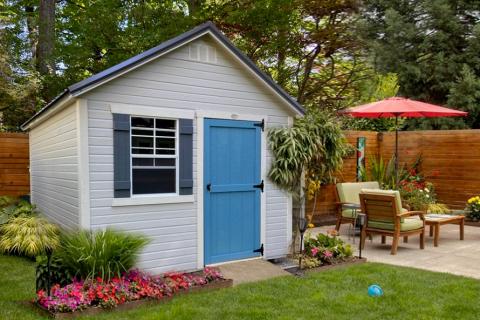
(92, 311)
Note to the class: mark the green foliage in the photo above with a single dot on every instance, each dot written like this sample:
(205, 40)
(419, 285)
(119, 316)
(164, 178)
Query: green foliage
(430, 44)
(6, 202)
(473, 208)
(375, 87)
(16, 209)
(418, 197)
(28, 236)
(381, 171)
(327, 248)
(58, 274)
(438, 208)
(104, 253)
(314, 145)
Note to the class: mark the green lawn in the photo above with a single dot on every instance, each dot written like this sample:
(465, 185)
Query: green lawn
(336, 294)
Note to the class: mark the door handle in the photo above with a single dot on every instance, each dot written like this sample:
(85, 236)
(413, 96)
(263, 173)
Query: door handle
(209, 187)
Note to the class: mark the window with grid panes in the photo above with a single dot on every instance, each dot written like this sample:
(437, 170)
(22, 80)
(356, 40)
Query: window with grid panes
(154, 155)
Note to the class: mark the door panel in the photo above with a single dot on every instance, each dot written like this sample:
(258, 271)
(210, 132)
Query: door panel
(232, 204)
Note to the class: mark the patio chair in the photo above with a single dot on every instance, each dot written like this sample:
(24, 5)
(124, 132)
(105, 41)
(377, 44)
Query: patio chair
(384, 216)
(347, 194)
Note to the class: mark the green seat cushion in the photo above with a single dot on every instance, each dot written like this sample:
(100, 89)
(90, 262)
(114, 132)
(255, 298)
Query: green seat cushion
(408, 224)
(349, 213)
(348, 191)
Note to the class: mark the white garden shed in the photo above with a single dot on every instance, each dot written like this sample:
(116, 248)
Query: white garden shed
(170, 143)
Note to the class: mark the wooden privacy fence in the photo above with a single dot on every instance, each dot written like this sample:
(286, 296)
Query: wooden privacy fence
(451, 161)
(14, 164)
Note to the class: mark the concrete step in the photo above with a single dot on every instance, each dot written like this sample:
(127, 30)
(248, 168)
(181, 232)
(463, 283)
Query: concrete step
(251, 271)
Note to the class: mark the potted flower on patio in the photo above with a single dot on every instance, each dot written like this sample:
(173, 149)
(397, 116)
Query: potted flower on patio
(473, 208)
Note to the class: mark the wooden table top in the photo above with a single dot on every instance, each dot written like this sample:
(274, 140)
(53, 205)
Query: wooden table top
(442, 218)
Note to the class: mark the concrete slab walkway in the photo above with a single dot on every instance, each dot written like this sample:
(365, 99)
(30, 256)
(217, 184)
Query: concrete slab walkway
(452, 255)
(251, 271)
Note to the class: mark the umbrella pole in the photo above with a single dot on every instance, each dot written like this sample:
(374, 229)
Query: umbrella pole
(396, 151)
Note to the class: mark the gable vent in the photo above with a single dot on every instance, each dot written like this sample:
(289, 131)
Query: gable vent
(202, 53)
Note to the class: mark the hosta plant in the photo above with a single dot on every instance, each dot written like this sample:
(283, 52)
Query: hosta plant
(12, 208)
(28, 236)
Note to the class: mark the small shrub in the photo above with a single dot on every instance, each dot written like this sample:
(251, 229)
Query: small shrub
(28, 236)
(473, 208)
(106, 254)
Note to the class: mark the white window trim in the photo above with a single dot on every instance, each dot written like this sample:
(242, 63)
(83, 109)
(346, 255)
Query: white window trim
(151, 199)
(176, 157)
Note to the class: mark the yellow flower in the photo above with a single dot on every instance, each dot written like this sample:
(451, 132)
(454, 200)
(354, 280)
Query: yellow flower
(310, 225)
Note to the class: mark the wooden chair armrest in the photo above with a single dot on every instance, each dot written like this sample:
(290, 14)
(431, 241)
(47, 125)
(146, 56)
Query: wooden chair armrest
(411, 213)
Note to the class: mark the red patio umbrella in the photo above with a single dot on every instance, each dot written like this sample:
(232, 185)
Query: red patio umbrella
(401, 107)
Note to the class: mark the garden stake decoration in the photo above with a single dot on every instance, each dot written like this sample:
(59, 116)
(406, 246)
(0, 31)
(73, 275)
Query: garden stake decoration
(302, 227)
(49, 252)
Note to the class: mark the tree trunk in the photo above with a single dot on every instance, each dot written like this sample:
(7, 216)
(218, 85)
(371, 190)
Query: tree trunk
(46, 37)
(32, 32)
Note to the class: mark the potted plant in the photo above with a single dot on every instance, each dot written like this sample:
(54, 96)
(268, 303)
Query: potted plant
(473, 208)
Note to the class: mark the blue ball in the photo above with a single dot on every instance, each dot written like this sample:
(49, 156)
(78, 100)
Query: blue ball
(375, 291)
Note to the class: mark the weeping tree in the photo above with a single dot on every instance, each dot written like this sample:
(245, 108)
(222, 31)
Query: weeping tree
(312, 152)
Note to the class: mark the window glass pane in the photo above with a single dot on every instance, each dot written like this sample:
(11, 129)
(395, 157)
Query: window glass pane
(165, 133)
(142, 132)
(165, 162)
(142, 122)
(165, 151)
(142, 162)
(145, 181)
(142, 151)
(165, 143)
(165, 124)
(143, 142)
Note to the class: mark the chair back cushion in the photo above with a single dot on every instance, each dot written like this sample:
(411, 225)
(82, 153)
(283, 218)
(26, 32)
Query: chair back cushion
(348, 191)
(380, 206)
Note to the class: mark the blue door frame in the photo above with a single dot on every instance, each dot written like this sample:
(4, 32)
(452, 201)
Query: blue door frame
(232, 158)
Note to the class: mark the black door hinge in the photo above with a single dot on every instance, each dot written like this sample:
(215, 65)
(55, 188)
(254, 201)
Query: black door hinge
(259, 186)
(209, 186)
(260, 124)
(259, 250)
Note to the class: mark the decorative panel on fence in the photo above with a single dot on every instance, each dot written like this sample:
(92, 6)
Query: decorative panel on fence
(451, 160)
(14, 164)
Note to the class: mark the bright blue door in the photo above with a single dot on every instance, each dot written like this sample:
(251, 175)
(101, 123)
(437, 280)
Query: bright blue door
(232, 201)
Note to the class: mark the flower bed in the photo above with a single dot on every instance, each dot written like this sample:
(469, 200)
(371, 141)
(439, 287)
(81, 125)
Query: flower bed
(325, 249)
(134, 288)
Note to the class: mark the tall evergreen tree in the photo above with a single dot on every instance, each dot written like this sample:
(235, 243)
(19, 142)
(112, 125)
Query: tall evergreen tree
(427, 43)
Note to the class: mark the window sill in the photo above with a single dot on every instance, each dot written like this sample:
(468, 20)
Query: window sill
(120, 202)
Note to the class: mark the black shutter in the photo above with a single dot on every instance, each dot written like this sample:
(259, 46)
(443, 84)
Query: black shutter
(121, 155)
(186, 156)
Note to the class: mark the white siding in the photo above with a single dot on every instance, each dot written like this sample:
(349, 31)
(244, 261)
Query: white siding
(54, 168)
(175, 81)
